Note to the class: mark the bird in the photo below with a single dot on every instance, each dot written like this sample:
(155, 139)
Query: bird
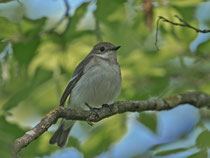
(96, 81)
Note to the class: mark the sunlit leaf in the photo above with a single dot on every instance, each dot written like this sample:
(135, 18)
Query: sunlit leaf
(8, 29)
(39, 78)
(203, 140)
(32, 28)
(103, 12)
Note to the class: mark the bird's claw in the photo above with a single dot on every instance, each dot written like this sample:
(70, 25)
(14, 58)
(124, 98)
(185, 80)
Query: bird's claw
(94, 110)
(107, 106)
(89, 122)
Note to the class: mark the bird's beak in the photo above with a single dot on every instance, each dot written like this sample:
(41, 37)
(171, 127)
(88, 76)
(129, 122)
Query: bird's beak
(116, 48)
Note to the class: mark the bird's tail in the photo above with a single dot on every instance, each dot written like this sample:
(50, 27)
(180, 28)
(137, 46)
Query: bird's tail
(61, 134)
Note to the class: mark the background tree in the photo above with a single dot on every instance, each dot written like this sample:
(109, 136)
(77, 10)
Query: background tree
(42, 42)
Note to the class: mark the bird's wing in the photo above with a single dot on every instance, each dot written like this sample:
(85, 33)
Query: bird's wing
(75, 78)
(69, 88)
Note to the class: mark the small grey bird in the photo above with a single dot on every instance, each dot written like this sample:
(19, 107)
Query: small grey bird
(96, 81)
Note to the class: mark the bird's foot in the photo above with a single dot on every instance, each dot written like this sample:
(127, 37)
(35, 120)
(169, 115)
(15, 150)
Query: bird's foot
(107, 106)
(89, 122)
(94, 110)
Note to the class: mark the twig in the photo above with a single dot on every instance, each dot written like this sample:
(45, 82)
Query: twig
(66, 14)
(196, 99)
(183, 24)
(192, 27)
(97, 28)
(156, 35)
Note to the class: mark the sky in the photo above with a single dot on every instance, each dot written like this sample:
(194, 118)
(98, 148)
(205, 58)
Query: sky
(138, 139)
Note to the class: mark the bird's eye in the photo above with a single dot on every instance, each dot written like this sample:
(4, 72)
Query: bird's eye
(102, 49)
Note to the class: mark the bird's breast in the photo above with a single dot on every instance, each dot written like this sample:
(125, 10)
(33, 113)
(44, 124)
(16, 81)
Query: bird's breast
(100, 84)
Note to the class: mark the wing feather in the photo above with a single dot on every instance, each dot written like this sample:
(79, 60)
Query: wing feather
(76, 76)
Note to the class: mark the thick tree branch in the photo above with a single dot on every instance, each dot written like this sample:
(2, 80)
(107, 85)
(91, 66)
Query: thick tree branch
(196, 99)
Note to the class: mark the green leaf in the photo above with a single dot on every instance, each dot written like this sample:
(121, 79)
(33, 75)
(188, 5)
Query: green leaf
(8, 29)
(8, 133)
(32, 28)
(78, 15)
(149, 120)
(6, 1)
(74, 142)
(41, 76)
(169, 152)
(103, 11)
(3, 45)
(70, 34)
(103, 136)
(187, 12)
(26, 50)
(153, 86)
(203, 48)
(38, 147)
(203, 153)
(203, 140)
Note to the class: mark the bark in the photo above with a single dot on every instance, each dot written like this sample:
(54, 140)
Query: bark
(198, 100)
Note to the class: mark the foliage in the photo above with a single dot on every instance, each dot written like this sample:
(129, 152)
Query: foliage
(35, 72)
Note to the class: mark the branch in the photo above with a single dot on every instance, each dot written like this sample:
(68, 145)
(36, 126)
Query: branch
(196, 99)
(66, 15)
(183, 24)
(97, 27)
